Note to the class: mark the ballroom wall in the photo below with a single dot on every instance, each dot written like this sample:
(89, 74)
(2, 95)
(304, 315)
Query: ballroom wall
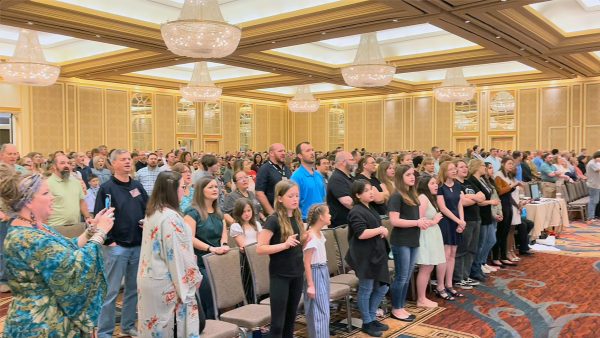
(79, 115)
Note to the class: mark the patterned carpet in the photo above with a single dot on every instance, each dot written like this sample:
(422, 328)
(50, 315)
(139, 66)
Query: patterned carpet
(547, 295)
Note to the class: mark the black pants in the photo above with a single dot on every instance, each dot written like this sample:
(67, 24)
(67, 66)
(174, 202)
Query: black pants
(499, 249)
(285, 296)
(522, 238)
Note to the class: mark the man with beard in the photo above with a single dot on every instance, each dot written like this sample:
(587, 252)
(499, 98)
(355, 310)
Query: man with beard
(82, 168)
(69, 199)
(310, 181)
(269, 174)
(338, 188)
(121, 249)
(147, 175)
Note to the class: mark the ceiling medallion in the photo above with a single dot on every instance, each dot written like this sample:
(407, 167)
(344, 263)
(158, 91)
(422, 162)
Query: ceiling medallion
(28, 66)
(503, 102)
(369, 68)
(201, 31)
(303, 101)
(454, 88)
(201, 87)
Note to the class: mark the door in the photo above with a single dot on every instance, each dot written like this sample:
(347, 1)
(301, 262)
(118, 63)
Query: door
(212, 147)
(461, 144)
(502, 142)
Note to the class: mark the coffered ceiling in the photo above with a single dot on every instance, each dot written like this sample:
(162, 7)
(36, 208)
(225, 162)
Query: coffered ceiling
(290, 42)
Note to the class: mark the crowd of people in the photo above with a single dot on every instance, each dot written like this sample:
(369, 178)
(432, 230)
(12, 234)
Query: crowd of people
(150, 217)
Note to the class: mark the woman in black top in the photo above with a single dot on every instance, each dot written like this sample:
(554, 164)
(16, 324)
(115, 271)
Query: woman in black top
(368, 255)
(280, 239)
(404, 217)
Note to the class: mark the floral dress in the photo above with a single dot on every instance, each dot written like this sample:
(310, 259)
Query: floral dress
(168, 278)
(58, 288)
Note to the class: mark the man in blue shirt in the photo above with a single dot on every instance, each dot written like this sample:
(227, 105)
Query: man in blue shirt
(537, 160)
(548, 170)
(309, 180)
(518, 158)
(493, 159)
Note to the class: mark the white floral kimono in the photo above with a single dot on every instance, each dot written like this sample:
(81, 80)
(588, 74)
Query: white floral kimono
(168, 278)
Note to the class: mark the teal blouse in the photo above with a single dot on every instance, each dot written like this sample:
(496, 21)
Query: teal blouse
(208, 231)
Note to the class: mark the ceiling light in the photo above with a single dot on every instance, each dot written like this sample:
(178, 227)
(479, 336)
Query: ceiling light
(454, 88)
(323, 33)
(28, 66)
(201, 87)
(30, 23)
(395, 20)
(369, 68)
(546, 61)
(98, 36)
(201, 31)
(467, 21)
(503, 102)
(303, 101)
(498, 37)
(273, 41)
(521, 48)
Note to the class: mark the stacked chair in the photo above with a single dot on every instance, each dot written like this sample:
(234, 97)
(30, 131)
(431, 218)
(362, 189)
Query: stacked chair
(577, 197)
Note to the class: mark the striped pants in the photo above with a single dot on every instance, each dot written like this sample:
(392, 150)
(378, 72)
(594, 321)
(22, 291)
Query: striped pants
(317, 309)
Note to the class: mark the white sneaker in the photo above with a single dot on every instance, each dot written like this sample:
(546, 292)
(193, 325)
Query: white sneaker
(485, 270)
(463, 285)
(129, 333)
(491, 268)
(433, 282)
(471, 281)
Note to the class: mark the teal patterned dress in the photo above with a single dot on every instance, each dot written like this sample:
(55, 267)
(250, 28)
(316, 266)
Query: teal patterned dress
(57, 287)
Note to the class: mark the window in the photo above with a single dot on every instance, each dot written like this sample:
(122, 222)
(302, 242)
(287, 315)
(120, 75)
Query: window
(466, 116)
(212, 119)
(246, 121)
(141, 121)
(186, 117)
(336, 126)
(502, 111)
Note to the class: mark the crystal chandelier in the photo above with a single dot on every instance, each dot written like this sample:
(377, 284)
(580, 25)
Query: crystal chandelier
(369, 68)
(303, 101)
(503, 102)
(201, 31)
(28, 66)
(454, 88)
(201, 87)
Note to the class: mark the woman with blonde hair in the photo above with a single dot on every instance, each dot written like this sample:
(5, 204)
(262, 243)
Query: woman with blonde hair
(386, 171)
(99, 169)
(427, 167)
(280, 239)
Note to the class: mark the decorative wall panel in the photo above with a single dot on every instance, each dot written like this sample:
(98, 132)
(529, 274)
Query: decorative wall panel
(592, 106)
(91, 118)
(554, 109)
(423, 122)
(527, 119)
(318, 129)
(47, 118)
(593, 141)
(262, 127)
(443, 125)
(374, 126)
(72, 130)
(557, 138)
(276, 128)
(301, 123)
(164, 121)
(355, 126)
(231, 126)
(393, 130)
(408, 125)
(117, 117)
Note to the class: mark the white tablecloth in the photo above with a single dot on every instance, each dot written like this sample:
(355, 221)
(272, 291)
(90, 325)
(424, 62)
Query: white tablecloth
(549, 212)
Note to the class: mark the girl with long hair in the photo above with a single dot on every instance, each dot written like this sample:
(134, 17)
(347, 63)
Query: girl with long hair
(209, 232)
(386, 171)
(507, 185)
(167, 263)
(431, 243)
(452, 225)
(280, 239)
(316, 288)
(407, 224)
(245, 228)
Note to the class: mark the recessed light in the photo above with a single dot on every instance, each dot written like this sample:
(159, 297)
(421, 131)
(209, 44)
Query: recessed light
(498, 37)
(273, 41)
(521, 48)
(176, 59)
(323, 33)
(574, 74)
(98, 36)
(30, 23)
(309, 75)
(562, 67)
(114, 70)
(273, 68)
(467, 21)
(395, 20)
(546, 61)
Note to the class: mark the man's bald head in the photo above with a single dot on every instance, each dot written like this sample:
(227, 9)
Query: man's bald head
(277, 153)
(345, 162)
(9, 154)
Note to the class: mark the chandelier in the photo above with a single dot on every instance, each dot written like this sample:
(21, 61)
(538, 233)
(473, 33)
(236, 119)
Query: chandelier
(503, 102)
(201, 31)
(28, 66)
(369, 68)
(454, 88)
(201, 87)
(303, 101)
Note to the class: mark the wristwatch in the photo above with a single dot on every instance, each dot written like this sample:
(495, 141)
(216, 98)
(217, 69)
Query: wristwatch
(223, 244)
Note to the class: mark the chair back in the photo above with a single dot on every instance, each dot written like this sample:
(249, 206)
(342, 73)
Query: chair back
(341, 237)
(565, 193)
(231, 242)
(259, 269)
(580, 191)
(527, 189)
(331, 250)
(572, 192)
(224, 274)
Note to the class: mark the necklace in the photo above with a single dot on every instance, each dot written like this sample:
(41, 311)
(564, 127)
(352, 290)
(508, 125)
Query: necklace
(32, 222)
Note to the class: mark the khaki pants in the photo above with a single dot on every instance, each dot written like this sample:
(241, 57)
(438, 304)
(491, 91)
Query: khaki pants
(548, 190)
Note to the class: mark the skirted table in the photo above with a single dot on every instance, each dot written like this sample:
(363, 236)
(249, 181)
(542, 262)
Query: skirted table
(548, 212)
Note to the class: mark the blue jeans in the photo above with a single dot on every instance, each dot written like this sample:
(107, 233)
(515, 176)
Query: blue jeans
(370, 295)
(404, 264)
(594, 199)
(3, 231)
(119, 262)
(487, 239)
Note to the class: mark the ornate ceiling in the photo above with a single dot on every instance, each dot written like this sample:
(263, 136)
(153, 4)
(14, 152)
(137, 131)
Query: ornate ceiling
(291, 42)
